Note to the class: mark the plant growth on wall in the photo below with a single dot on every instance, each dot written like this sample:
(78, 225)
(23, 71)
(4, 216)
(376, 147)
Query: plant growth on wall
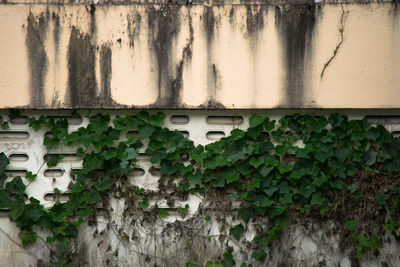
(299, 169)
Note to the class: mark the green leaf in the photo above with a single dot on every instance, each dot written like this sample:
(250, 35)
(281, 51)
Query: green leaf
(236, 231)
(194, 178)
(259, 255)
(86, 212)
(264, 170)
(27, 237)
(144, 203)
(146, 131)
(381, 198)
(352, 225)
(256, 120)
(256, 162)
(198, 154)
(286, 198)
(183, 170)
(317, 199)
(370, 158)
(232, 177)
(103, 184)
(3, 162)
(131, 153)
(30, 176)
(163, 212)
(297, 174)
(94, 197)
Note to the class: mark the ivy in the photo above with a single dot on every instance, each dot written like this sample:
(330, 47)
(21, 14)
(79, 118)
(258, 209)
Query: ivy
(302, 166)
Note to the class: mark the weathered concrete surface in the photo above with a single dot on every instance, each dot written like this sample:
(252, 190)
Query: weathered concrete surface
(258, 54)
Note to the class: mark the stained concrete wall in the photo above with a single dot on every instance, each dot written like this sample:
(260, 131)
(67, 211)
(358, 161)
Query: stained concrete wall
(221, 54)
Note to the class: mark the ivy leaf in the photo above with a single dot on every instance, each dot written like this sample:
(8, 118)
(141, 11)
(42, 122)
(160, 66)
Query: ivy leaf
(286, 198)
(342, 153)
(146, 131)
(157, 120)
(163, 212)
(317, 199)
(370, 158)
(86, 212)
(297, 174)
(103, 184)
(198, 154)
(194, 178)
(30, 176)
(283, 168)
(94, 197)
(3, 162)
(256, 120)
(254, 132)
(381, 198)
(144, 203)
(256, 162)
(17, 209)
(236, 231)
(27, 237)
(131, 153)
(232, 177)
(352, 225)
(183, 170)
(255, 183)
(220, 160)
(259, 255)
(167, 168)
(264, 170)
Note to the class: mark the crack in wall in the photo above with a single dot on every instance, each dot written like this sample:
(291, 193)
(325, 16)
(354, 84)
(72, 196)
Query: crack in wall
(341, 31)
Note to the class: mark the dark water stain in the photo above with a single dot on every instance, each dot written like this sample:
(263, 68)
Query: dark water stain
(81, 70)
(56, 31)
(295, 25)
(254, 19)
(133, 27)
(92, 11)
(213, 78)
(164, 25)
(38, 61)
(232, 19)
(105, 72)
(186, 56)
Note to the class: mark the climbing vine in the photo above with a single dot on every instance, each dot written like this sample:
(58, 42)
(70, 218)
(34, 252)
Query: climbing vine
(302, 168)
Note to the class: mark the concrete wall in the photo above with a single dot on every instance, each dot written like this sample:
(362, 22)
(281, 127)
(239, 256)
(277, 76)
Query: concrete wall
(223, 54)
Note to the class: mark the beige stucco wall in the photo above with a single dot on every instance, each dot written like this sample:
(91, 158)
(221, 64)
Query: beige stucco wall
(206, 55)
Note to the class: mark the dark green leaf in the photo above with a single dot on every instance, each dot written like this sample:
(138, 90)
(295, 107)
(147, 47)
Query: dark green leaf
(236, 231)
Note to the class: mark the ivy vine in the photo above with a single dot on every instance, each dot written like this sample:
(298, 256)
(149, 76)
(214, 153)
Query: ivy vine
(301, 168)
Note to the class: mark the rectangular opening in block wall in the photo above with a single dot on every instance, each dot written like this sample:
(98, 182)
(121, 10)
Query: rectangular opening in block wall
(15, 173)
(53, 173)
(215, 135)
(179, 119)
(65, 157)
(71, 120)
(64, 197)
(155, 172)
(132, 133)
(18, 157)
(13, 136)
(138, 172)
(224, 120)
(390, 119)
(20, 120)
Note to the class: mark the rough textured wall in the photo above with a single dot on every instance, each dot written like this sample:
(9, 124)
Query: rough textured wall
(230, 54)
